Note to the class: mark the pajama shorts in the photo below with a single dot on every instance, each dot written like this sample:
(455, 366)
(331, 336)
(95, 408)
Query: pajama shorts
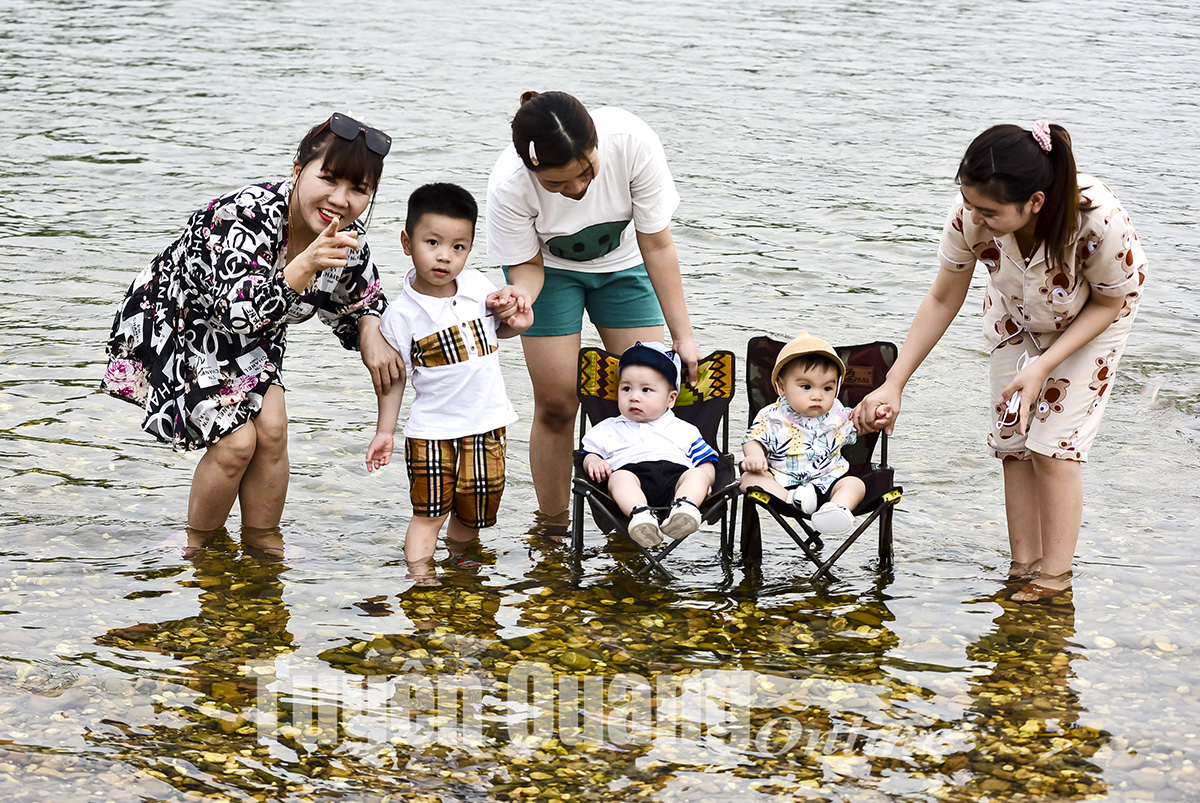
(464, 475)
(1066, 418)
(623, 299)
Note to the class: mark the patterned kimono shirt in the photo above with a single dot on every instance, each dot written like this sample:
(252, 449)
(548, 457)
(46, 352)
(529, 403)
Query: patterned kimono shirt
(202, 330)
(802, 449)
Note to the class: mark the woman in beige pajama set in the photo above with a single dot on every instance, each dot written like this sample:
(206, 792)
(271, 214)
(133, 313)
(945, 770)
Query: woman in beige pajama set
(1065, 271)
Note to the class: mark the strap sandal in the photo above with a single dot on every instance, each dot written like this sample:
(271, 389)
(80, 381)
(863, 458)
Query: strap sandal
(463, 562)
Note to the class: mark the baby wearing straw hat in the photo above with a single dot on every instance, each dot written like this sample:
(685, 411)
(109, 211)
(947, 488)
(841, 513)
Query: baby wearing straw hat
(793, 450)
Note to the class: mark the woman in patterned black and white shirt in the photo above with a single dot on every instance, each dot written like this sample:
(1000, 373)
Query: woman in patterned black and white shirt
(199, 339)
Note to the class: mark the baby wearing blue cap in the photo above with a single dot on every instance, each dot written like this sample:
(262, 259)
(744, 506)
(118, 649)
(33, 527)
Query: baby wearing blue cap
(648, 457)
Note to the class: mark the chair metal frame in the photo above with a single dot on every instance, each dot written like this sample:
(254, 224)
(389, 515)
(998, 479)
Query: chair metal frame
(863, 375)
(706, 405)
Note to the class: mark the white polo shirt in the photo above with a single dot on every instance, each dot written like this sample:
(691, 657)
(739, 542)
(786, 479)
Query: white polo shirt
(622, 442)
(633, 192)
(449, 346)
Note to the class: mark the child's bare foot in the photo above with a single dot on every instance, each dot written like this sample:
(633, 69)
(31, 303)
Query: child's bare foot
(1045, 586)
(422, 572)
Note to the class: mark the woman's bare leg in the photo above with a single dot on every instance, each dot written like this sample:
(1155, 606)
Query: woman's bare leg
(1060, 511)
(218, 475)
(617, 340)
(553, 364)
(264, 485)
(1021, 506)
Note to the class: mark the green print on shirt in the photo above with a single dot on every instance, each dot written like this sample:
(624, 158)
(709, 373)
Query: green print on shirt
(590, 243)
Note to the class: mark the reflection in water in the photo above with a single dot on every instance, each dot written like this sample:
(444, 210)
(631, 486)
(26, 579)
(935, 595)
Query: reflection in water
(242, 617)
(242, 620)
(1024, 712)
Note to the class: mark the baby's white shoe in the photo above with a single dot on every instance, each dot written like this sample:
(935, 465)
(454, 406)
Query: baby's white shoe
(683, 520)
(643, 527)
(832, 519)
(804, 497)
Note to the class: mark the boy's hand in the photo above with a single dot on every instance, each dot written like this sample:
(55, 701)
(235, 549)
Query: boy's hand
(379, 453)
(597, 468)
(754, 464)
(514, 309)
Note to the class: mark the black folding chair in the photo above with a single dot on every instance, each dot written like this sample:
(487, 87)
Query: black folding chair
(866, 367)
(706, 406)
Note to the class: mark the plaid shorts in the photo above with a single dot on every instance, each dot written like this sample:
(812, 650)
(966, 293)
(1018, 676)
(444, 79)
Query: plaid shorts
(464, 475)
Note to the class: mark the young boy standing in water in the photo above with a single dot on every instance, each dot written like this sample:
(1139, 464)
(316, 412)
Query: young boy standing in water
(649, 457)
(444, 330)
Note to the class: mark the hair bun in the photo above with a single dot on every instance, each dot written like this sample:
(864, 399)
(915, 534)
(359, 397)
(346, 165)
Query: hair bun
(528, 95)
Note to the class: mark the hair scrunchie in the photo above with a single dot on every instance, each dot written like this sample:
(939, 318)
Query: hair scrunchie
(1041, 133)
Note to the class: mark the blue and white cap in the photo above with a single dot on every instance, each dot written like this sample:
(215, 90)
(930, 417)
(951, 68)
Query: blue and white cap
(654, 355)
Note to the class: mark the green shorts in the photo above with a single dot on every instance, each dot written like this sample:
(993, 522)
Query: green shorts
(620, 300)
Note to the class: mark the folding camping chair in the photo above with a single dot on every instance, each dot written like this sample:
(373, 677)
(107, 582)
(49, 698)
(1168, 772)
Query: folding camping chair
(706, 406)
(866, 368)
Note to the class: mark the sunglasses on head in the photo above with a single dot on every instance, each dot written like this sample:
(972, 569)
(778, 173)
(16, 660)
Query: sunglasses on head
(348, 128)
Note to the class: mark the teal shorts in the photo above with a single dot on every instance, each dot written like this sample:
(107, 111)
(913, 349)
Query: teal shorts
(620, 300)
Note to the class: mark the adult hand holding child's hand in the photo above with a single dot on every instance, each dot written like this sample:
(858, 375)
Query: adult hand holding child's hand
(513, 307)
(879, 410)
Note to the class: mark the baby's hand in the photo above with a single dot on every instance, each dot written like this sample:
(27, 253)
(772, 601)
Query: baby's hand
(597, 468)
(379, 453)
(754, 464)
(883, 414)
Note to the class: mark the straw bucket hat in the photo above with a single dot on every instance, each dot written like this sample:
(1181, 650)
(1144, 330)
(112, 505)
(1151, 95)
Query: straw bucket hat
(803, 345)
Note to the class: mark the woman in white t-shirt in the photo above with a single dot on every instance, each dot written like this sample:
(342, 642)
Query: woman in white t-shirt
(579, 213)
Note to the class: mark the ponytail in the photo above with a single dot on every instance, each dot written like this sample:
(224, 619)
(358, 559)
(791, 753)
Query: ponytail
(1009, 164)
(552, 130)
(1062, 198)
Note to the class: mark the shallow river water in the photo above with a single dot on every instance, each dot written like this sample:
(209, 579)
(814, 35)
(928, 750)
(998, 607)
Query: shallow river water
(814, 146)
